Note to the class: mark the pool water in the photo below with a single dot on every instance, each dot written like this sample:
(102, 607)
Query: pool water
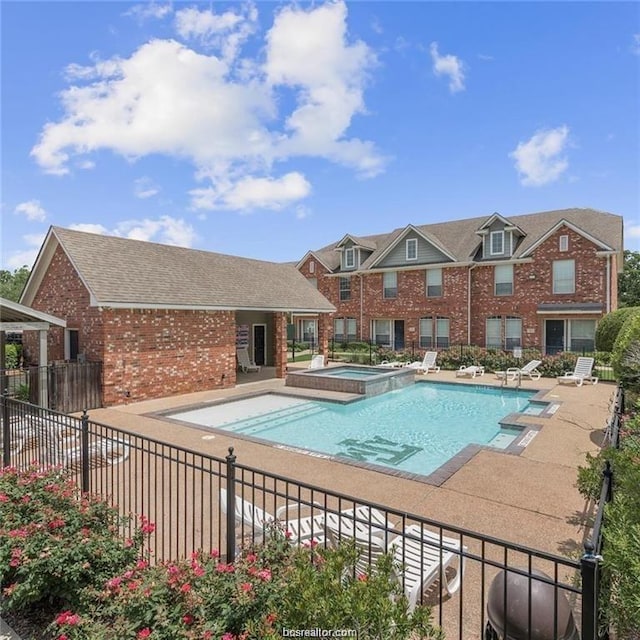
(351, 374)
(415, 429)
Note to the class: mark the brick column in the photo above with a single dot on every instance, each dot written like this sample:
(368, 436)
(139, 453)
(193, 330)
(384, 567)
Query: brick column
(280, 344)
(324, 320)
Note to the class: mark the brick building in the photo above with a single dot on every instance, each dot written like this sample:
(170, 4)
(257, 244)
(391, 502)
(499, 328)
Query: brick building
(163, 320)
(538, 280)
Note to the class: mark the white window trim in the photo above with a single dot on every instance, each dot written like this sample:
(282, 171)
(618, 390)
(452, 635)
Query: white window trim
(563, 243)
(414, 243)
(385, 275)
(553, 276)
(349, 264)
(440, 284)
(496, 282)
(312, 267)
(491, 236)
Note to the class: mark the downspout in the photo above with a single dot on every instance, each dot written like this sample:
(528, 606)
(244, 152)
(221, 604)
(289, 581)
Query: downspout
(361, 309)
(473, 266)
(609, 283)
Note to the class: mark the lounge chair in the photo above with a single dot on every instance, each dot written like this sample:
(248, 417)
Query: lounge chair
(317, 362)
(581, 372)
(421, 556)
(428, 363)
(102, 453)
(470, 372)
(361, 521)
(391, 364)
(301, 529)
(530, 369)
(244, 361)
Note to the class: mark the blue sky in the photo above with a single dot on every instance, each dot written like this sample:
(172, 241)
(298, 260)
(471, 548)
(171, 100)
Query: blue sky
(265, 130)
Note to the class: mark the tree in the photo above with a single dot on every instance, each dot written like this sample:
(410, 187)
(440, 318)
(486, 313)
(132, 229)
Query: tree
(12, 284)
(629, 280)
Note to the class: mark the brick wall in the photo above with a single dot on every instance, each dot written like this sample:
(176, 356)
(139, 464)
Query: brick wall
(533, 285)
(63, 295)
(156, 353)
(146, 354)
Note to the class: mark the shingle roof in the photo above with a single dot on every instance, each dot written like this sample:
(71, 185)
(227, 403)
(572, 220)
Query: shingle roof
(120, 271)
(460, 239)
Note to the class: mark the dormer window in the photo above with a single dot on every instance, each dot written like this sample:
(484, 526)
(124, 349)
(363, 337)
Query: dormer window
(349, 258)
(564, 243)
(412, 249)
(496, 243)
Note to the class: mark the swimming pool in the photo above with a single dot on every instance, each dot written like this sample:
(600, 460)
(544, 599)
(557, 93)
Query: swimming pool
(416, 429)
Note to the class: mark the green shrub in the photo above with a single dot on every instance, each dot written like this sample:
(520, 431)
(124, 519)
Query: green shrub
(13, 352)
(621, 527)
(609, 327)
(626, 353)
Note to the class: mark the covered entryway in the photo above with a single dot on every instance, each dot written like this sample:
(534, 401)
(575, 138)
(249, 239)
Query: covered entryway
(17, 317)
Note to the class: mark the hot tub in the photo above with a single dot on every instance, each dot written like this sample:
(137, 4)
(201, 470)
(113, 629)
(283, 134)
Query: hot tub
(367, 381)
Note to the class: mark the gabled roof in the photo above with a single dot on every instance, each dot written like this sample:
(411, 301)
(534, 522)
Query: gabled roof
(530, 248)
(315, 256)
(364, 243)
(397, 237)
(124, 273)
(459, 238)
(496, 216)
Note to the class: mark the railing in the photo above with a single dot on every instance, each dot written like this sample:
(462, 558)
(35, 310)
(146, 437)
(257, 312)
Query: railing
(591, 568)
(199, 501)
(452, 356)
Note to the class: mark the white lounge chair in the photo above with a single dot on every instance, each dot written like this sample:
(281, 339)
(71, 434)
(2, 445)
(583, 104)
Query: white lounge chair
(244, 361)
(301, 529)
(391, 364)
(361, 521)
(102, 453)
(530, 369)
(428, 363)
(421, 556)
(470, 372)
(581, 372)
(317, 362)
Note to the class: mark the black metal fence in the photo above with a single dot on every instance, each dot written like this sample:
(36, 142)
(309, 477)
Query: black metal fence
(454, 356)
(203, 502)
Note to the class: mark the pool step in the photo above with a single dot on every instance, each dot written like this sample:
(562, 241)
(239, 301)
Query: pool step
(276, 418)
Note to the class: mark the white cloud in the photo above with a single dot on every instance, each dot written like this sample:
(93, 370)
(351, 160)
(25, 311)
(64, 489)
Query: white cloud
(251, 193)
(309, 51)
(32, 210)
(145, 188)
(485, 57)
(632, 230)
(149, 10)
(302, 212)
(27, 256)
(539, 160)
(166, 230)
(635, 47)
(232, 118)
(448, 65)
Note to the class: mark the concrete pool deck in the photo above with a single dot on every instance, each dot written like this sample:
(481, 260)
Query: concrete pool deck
(530, 499)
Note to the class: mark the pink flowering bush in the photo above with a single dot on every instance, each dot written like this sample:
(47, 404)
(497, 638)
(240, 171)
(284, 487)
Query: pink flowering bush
(54, 542)
(271, 587)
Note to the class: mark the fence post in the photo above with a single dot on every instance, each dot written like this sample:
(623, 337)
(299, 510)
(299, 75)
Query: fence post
(590, 571)
(608, 475)
(6, 431)
(231, 506)
(85, 451)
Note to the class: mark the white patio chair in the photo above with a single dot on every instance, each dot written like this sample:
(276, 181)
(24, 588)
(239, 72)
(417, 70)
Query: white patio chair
(428, 363)
(581, 372)
(317, 362)
(530, 369)
(244, 361)
(301, 529)
(422, 557)
(470, 372)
